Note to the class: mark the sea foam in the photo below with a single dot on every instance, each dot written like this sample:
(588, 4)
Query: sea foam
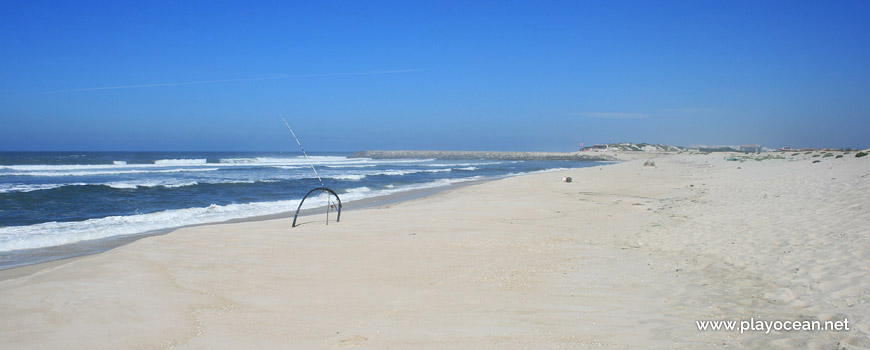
(176, 162)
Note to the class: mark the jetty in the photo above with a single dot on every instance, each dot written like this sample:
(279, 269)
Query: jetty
(570, 156)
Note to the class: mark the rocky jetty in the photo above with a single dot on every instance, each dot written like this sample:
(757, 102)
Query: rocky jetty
(572, 156)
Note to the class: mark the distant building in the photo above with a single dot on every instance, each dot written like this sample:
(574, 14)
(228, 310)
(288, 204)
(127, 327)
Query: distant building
(750, 148)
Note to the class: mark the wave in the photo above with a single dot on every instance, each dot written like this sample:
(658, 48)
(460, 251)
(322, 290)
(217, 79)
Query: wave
(46, 167)
(358, 190)
(168, 183)
(59, 233)
(285, 163)
(149, 184)
(178, 183)
(177, 162)
(104, 172)
(352, 166)
(317, 160)
(412, 171)
(8, 188)
(348, 177)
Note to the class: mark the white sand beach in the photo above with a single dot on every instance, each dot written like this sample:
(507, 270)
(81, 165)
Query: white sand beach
(626, 256)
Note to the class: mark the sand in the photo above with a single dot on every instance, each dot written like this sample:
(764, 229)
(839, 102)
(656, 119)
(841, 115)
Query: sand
(626, 256)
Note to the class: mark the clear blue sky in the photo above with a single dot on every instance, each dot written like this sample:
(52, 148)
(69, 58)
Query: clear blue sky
(463, 75)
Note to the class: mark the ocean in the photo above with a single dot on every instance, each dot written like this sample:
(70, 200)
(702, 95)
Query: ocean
(55, 199)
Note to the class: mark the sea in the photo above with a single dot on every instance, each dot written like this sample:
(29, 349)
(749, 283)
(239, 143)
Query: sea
(53, 203)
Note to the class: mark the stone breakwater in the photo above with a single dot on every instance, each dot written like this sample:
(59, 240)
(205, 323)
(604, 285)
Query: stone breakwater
(573, 156)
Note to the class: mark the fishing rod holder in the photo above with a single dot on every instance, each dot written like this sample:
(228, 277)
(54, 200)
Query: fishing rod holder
(329, 192)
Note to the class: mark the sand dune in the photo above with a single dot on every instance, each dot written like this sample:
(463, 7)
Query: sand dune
(626, 256)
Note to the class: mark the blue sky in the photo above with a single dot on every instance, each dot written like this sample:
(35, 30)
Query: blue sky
(463, 75)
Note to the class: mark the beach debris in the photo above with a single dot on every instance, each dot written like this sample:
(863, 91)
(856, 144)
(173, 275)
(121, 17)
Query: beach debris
(567, 179)
(650, 163)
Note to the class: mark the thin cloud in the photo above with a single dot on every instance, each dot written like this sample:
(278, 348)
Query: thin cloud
(269, 77)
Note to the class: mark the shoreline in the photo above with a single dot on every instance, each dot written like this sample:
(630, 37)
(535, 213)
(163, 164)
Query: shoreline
(626, 256)
(48, 256)
(23, 259)
(68, 254)
(463, 155)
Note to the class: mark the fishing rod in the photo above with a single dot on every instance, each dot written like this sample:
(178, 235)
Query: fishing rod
(322, 187)
(303, 151)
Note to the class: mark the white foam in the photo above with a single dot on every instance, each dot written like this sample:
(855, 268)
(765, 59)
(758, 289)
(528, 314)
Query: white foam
(117, 166)
(351, 166)
(317, 160)
(181, 184)
(411, 171)
(124, 185)
(358, 190)
(175, 183)
(348, 177)
(7, 188)
(149, 184)
(177, 162)
(58, 233)
(59, 167)
(105, 172)
(134, 184)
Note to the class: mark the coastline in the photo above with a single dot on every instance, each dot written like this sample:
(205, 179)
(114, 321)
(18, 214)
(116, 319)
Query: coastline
(626, 256)
(246, 186)
(569, 156)
(30, 261)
